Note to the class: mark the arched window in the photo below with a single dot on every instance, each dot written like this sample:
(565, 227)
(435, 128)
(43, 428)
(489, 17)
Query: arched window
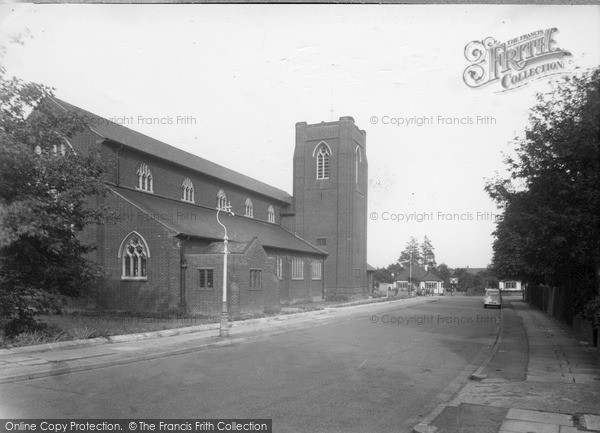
(221, 200)
(323, 155)
(144, 178)
(134, 255)
(249, 208)
(271, 214)
(357, 159)
(187, 190)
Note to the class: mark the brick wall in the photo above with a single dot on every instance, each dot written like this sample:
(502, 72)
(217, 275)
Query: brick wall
(241, 297)
(160, 292)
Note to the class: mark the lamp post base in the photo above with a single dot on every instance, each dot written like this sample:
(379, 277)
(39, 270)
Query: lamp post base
(224, 329)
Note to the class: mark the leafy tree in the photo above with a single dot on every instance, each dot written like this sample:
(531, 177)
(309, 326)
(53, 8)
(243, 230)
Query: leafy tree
(468, 281)
(46, 200)
(550, 231)
(411, 254)
(383, 275)
(427, 254)
(444, 272)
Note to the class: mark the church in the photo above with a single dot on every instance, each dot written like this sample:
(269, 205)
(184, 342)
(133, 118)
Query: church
(166, 252)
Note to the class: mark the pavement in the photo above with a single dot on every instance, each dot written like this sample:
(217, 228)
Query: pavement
(539, 378)
(32, 362)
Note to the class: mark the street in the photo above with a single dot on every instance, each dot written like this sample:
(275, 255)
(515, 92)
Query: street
(378, 369)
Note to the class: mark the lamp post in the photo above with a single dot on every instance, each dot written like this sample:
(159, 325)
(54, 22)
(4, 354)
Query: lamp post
(410, 276)
(224, 329)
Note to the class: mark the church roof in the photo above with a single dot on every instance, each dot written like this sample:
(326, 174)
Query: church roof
(138, 141)
(193, 220)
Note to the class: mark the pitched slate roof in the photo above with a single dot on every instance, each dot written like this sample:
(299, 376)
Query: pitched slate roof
(418, 273)
(192, 220)
(136, 140)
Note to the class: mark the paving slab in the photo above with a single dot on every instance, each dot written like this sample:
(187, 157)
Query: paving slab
(510, 425)
(537, 416)
(591, 422)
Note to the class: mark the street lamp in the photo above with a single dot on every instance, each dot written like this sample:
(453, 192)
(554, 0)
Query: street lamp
(410, 276)
(224, 330)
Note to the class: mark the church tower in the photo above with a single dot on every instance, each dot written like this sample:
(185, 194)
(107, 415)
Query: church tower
(330, 200)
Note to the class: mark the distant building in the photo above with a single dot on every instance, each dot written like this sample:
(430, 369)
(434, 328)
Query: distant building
(166, 253)
(510, 285)
(422, 279)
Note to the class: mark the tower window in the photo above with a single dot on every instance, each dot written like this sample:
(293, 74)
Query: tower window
(144, 178)
(134, 256)
(323, 156)
(187, 190)
(221, 200)
(321, 242)
(249, 208)
(271, 214)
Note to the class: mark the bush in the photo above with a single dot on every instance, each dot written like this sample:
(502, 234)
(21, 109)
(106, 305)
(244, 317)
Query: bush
(42, 334)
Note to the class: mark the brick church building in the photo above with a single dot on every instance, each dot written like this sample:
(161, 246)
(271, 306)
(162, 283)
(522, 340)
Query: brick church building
(166, 252)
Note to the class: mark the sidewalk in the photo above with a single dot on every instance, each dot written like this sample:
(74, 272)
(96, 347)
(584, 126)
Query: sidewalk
(539, 379)
(45, 360)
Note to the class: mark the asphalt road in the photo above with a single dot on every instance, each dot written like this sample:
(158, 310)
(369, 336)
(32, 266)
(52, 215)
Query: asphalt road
(366, 372)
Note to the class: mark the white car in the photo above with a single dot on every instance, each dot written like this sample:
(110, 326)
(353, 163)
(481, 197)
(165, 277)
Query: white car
(492, 298)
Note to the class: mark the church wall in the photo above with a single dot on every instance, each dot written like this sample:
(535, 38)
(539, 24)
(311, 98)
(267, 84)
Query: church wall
(160, 292)
(167, 179)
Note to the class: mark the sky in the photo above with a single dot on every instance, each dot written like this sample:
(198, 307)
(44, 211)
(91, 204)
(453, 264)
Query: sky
(229, 83)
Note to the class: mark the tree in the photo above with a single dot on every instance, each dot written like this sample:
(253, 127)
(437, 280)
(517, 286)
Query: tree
(383, 275)
(411, 254)
(550, 231)
(46, 200)
(444, 272)
(427, 254)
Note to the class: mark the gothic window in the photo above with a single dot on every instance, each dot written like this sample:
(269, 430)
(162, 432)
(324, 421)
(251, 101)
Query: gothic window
(221, 200)
(187, 190)
(134, 256)
(323, 156)
(144, 178)
(249, 208)
(271, 214)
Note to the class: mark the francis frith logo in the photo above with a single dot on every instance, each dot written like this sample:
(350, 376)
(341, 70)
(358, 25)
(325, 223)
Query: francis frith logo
(514, 63)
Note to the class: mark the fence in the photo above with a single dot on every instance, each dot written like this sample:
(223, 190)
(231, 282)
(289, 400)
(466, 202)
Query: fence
(555, 301)
(558, 302)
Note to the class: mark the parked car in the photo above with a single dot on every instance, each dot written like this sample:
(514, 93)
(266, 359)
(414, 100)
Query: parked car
(492, 298)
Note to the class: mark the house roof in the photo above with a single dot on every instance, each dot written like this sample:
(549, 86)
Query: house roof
(138, 141)
(193, 220)
(417, 273)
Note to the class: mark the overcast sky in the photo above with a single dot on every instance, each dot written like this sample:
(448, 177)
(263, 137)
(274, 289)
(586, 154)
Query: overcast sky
(241, 76)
